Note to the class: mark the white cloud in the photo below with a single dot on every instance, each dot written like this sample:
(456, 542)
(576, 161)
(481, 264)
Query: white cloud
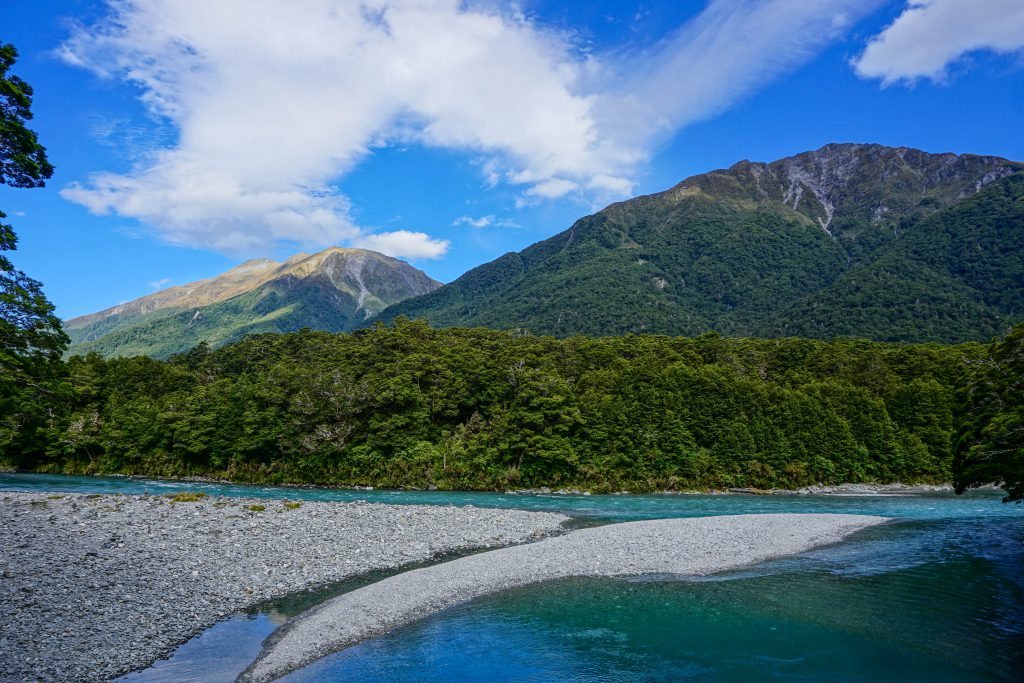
(404, 244)
(481, 222)
(193, 204)
(275, 102)
(161, 283)
(610, 185)
(932, 34)
(733, 48)
(485, 222)
(553, 188)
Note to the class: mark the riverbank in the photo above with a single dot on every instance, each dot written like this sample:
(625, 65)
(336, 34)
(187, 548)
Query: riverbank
(98, 585)
(684, 547)
(869, 489)
(848, 488)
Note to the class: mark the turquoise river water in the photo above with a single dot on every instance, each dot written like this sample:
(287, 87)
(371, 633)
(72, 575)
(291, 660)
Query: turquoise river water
(937, 596)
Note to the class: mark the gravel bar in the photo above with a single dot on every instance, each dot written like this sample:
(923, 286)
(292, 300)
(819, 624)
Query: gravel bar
(95, 586)
(693, 546)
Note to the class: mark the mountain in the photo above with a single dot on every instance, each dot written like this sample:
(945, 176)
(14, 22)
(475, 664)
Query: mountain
(849, 240)
(334, 290)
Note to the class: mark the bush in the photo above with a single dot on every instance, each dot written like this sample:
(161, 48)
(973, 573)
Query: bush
(187, 497)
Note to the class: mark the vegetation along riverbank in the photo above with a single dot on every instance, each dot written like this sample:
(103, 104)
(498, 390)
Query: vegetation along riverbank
(408, 405)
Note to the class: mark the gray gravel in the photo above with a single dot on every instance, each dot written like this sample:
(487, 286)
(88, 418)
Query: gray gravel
(692, 546)
(92, 587)
(868, 490)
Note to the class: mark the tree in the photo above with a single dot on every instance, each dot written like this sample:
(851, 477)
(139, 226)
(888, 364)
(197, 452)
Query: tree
(31, 338)
(23, 161)
(989, 446)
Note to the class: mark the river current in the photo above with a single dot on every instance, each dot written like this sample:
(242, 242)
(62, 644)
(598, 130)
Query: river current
(938, 596)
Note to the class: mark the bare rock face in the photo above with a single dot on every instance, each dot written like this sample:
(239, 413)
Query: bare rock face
(860, 182)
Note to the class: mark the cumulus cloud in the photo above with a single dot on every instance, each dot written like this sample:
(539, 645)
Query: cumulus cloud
(275, 102)
(404, 244)
(930, 35)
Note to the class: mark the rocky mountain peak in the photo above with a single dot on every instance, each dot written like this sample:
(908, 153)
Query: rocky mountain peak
(862, 182)
(332, 289)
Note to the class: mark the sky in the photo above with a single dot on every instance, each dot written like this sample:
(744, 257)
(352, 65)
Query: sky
(191, 135)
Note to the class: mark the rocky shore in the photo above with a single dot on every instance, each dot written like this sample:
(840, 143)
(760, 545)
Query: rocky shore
(686, 547)
(895, 489)
(94, 586)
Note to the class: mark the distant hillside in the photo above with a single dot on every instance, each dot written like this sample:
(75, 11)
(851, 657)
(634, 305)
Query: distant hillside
(893, 244)
(334, 290)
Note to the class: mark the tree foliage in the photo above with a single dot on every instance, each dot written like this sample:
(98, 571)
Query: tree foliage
(31, 338)
(23, 161)
(990, 439)
(478, 409)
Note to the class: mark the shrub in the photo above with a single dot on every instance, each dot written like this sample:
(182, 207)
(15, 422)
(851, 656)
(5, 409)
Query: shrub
(187, 497)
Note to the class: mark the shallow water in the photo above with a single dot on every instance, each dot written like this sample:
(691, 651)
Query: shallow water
(936, 600)
(937, 596)
(612, 508)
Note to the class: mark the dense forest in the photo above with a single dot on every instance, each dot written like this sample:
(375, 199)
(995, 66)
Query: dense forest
(989, 441)
(412, 406)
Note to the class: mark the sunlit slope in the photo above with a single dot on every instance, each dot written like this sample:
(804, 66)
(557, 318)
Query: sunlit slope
(333, 290)
(848, 240)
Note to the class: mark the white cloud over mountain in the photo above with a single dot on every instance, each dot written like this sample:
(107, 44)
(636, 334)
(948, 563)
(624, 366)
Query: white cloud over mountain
(413, 245)
(930, 35)
(275, 102)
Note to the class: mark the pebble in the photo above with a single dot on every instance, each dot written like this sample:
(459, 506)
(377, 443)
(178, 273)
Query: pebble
(683, 547)
(95, 587)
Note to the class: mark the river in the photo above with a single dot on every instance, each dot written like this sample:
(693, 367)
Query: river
(938, 596)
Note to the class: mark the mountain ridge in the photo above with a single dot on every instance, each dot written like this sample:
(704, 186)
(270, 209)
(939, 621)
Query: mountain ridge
(726, 250)
(334, 289)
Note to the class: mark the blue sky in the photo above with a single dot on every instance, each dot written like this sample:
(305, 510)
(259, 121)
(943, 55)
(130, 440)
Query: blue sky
(189, 136)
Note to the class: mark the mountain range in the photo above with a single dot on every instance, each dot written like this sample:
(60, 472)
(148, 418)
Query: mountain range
(854, 240)
(334, 290)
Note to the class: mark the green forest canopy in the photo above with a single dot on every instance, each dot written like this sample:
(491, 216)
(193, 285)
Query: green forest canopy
(989, 442)
(478, 409)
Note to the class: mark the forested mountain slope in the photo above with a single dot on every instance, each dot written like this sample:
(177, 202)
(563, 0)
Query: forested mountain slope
(333, 290)
(888, 243)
